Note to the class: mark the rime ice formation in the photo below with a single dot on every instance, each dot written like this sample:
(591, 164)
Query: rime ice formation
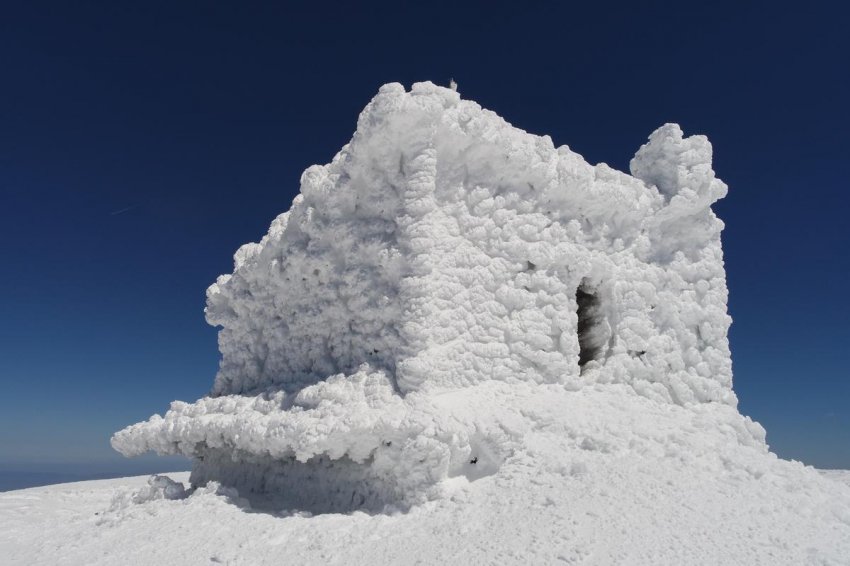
(446, 248)
(443, 250)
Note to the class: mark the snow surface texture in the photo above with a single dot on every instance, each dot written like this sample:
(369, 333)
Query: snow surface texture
(602, 477)
(455, 306)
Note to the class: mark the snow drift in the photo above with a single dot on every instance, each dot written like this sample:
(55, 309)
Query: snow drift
(447, 288)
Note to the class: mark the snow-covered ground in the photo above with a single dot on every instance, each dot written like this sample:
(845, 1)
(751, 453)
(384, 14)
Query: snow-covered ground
(598, 476)
(842, 476)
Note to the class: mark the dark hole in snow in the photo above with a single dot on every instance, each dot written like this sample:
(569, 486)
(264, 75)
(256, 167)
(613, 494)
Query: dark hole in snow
(590, 333)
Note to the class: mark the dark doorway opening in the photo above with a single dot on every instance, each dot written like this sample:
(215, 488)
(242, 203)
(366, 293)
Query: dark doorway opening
(591, 331)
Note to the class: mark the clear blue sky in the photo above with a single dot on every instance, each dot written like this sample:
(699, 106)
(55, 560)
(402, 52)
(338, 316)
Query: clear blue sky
(140, 146)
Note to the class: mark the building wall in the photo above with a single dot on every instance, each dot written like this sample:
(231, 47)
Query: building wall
(447, 247)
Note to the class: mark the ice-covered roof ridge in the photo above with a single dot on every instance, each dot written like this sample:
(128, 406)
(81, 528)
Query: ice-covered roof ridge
(668, 162)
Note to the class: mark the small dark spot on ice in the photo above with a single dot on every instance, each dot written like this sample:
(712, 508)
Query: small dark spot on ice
(474, 460)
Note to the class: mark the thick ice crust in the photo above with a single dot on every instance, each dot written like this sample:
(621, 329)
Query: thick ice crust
(352, 433)
(446, 247)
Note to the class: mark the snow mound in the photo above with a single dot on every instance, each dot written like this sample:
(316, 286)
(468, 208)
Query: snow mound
(157, 488)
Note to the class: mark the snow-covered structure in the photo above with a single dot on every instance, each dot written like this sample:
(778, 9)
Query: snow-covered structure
(443, 250)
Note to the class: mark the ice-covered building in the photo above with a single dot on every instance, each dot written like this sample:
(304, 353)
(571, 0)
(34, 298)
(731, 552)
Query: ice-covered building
(441, 250)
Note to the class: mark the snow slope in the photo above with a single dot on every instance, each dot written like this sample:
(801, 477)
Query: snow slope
(842, 476)
(601, 476)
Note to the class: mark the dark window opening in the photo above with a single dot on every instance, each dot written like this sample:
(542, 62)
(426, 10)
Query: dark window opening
(591, 332)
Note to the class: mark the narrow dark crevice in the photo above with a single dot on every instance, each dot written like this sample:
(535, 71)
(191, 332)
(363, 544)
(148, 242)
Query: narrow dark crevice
(589, 319)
